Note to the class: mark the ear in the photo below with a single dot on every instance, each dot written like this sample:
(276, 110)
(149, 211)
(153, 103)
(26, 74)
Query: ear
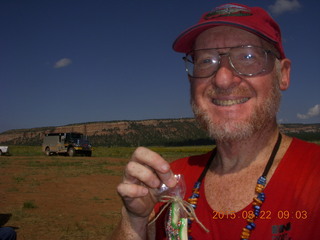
(285, 74)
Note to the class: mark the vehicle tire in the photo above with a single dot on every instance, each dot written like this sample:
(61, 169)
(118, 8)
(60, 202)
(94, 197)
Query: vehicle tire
(89, 154)
(0, 153)
(47, 151)
(71, 152)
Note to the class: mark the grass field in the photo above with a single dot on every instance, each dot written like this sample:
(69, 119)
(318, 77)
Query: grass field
(59, 197)
(169, 153)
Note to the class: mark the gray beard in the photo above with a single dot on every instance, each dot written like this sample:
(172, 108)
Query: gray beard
(226, 130)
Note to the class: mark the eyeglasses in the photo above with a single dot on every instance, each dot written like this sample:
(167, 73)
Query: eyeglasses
(245, 60)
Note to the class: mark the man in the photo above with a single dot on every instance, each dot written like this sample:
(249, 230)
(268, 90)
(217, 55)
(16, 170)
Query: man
(258, 183)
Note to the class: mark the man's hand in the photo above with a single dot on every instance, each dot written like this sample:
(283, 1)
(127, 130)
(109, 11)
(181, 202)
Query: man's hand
(144, 173)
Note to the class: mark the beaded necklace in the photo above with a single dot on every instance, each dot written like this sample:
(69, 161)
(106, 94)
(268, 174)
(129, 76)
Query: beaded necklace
(257, 200)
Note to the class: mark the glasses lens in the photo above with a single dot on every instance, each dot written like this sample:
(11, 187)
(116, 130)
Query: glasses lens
(248, 60)
(202, 63)
(245, 60)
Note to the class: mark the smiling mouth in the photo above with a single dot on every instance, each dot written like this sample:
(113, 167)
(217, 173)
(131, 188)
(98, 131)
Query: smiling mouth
(226, 103)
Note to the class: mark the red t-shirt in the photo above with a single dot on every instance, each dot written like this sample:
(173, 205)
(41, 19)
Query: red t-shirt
(291, 209)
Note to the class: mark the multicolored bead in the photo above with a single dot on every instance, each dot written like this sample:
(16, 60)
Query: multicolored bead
(193, 200)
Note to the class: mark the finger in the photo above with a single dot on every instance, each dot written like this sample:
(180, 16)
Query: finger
(156, 162)
(136, 172)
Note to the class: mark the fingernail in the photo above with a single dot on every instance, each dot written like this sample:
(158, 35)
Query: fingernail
(145, 191)
(165, 168)
(172, 182)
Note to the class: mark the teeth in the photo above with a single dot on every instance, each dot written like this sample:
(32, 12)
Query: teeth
(229, 102)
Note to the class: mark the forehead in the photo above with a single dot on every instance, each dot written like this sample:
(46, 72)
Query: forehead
(225, 36)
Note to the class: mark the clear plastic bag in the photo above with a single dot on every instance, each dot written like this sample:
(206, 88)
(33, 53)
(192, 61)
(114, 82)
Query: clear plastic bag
(176, 224)
(178, 190)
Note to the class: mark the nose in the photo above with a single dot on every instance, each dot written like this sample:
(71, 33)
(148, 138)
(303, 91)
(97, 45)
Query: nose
(225, 76)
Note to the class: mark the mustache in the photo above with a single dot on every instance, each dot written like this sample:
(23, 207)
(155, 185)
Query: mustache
(219, 92)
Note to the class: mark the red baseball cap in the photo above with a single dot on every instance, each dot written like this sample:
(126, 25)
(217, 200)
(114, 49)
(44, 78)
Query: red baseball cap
(252, 19)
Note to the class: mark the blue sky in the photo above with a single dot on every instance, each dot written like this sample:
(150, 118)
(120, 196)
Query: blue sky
(74, 61)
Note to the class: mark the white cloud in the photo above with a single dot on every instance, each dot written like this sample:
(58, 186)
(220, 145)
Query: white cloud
(62, 63)
(282, 6)
(314, 111)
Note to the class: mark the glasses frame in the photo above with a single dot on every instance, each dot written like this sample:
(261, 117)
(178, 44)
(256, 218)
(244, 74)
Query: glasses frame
(227, 54)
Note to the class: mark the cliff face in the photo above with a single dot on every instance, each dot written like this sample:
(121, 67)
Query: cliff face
(119, 133)
(89, 129)
(133, 133)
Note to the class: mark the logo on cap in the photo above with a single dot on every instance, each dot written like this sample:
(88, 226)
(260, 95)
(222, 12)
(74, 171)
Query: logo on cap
(228, 10)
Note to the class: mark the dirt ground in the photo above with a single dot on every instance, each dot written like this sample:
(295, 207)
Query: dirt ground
(59, 197)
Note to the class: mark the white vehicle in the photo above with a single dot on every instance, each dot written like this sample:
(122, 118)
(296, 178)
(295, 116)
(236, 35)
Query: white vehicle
(4, 150)
(69, 143)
